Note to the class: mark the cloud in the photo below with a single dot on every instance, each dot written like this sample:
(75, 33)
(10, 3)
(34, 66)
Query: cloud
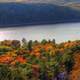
(59, 2)
(47, 1)
(35, 1)
(7, 0)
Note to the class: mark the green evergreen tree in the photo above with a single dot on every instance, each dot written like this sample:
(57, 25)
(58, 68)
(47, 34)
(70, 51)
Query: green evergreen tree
(30, 45)
(44, 41)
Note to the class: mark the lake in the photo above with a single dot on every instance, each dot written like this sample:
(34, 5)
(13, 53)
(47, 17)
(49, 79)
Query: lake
(59, 32)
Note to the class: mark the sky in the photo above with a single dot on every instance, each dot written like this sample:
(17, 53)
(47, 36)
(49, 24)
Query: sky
(57, 2)
(25, 0)
(59, 32)
(42, 1)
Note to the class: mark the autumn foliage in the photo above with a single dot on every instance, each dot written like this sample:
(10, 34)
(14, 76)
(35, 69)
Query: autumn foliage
(34, 60)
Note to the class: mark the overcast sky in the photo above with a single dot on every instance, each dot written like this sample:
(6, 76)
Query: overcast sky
(59, 2)
(32, 0)
(41, 1)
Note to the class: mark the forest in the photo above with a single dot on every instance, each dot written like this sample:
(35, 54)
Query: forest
(39, 60)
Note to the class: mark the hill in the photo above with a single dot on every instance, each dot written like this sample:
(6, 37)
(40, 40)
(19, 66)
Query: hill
(39, 60)
(19, 14)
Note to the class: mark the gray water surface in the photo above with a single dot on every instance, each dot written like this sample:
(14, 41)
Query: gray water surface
(61, 32)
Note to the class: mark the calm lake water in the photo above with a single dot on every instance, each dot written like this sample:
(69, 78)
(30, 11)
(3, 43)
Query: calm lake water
(61, 32)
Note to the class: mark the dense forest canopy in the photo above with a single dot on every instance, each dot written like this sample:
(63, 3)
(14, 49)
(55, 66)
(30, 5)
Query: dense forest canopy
(34, 60)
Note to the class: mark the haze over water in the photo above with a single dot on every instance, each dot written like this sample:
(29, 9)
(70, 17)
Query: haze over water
(60, 32)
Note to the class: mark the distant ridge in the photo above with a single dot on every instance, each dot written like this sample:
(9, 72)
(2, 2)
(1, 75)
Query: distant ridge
(20, 14)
